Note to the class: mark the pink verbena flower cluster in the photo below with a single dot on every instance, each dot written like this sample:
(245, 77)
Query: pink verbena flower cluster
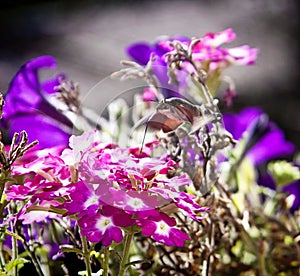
(209, 51)
(106, 189)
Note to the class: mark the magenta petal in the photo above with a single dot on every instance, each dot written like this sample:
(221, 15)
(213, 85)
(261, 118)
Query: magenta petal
(94, 237)
(178, 237)
(112, 234)
(123, 220)
(149, 228)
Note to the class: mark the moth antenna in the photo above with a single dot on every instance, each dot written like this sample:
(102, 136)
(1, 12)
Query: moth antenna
(144, 137)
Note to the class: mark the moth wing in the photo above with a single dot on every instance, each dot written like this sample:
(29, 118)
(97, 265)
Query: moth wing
(200, 122)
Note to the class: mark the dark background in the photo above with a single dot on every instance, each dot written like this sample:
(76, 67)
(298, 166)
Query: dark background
(88, 39)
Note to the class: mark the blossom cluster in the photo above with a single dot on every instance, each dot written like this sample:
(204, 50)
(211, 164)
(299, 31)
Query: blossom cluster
(207, 53)
(115, 188)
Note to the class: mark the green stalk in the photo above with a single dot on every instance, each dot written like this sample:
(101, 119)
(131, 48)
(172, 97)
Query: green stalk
(14, 246)
(2, 260)
(261, 261)
(105, 262)
(86, 255)
(14, 254)
(126, 251)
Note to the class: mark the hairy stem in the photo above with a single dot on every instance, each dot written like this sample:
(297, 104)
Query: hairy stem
(126, 251)
(105, 262)
(86, 255)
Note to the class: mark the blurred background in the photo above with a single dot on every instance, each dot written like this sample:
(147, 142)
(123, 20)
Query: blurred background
(88, 39)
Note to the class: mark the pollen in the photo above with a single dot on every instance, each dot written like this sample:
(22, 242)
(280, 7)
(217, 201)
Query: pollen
(162, 226)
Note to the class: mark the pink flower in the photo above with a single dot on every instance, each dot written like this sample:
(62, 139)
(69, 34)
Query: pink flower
(149, 94)
(243, 55)
(217, 39)
(84, 199)
(105, 225)
(163, 231)
(106, 188)
(209, 49)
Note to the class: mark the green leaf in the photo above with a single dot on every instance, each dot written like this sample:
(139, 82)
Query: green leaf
(289, 240)
(283, 172)
(19, 263)
(237, 248)
(65, 249)
(14, 235)
(248, 258)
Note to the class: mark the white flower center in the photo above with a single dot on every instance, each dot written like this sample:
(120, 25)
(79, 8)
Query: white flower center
(103, 223)
(162, 228)
(135, 203)
(90, 201)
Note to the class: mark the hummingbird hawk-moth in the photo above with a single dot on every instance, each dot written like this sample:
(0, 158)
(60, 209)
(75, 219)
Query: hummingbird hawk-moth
(172, 112)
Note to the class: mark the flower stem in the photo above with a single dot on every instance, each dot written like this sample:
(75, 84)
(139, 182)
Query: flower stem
(105, 263)
(14, 246)
(86, 255)
(126, 250)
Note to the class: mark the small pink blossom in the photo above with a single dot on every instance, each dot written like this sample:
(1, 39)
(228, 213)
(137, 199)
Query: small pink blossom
(105, 225)
(217, 39)
(163, 230)
(243, 55)
(149, 94)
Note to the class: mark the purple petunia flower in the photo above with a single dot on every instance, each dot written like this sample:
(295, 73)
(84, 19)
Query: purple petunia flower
(269, 141)
(264, 142)
(27, 105)
(141, 53)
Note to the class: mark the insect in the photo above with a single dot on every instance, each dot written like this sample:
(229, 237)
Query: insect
(196, 147)
(169, 115)
(172, 112)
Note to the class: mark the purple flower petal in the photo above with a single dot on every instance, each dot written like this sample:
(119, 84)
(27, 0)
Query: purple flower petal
(24, 90)
(39, 127)
(140, 52)
(293, 189)
(271, 146)
(237, 124)
(27, 97)
(49, 85)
